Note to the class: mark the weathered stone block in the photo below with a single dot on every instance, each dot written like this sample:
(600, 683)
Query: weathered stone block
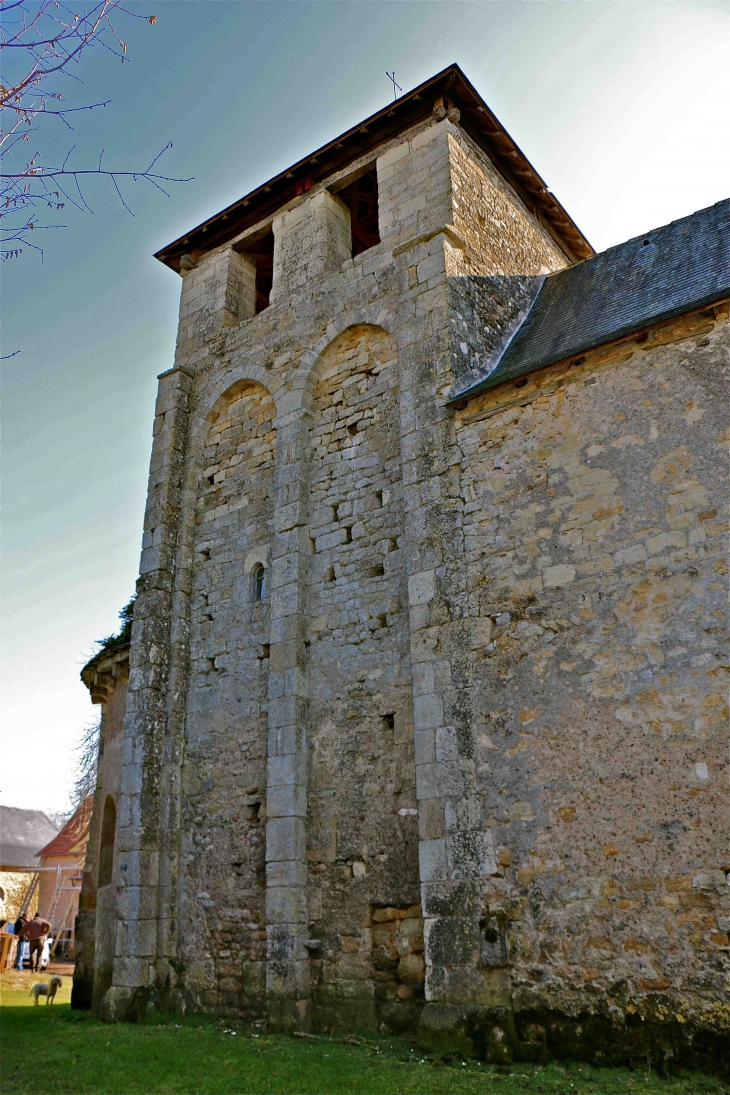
(432, 860)
(286, 800)
(285, 838)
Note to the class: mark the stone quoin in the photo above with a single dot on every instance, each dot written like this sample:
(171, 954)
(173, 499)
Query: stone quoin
(423, 724)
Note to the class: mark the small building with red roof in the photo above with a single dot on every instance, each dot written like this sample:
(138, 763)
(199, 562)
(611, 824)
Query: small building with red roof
(62, 865)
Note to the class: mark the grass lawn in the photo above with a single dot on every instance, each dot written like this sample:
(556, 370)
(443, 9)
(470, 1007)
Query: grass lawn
(48, 1049)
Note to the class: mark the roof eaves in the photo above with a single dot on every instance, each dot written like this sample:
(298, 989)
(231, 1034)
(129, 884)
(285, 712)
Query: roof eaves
(477, 119)
(617, 296)
(101, 671)
(498, 377)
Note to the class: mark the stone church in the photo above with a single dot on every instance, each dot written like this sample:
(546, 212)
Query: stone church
(423, 723)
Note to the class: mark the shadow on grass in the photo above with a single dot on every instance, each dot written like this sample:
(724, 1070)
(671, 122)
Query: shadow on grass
(53, 1049)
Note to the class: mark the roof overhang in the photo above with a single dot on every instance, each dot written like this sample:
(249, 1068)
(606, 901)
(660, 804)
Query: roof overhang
(101, 673)
(675, 270)
(409, 110)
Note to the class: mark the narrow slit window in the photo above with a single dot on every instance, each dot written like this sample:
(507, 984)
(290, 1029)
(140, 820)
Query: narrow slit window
(259, 582)
(361, 198)
(262, 253)
(106, 844)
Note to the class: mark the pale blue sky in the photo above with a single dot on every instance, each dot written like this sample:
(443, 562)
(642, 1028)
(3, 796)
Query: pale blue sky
(621, 105)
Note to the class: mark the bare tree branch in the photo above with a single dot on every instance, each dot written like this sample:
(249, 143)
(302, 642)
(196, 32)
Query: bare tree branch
(58, 817)
(43, 41)
(87, 760)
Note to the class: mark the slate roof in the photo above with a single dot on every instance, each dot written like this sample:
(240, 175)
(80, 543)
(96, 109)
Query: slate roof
(669, 271)
(73, 836)
(22, 833)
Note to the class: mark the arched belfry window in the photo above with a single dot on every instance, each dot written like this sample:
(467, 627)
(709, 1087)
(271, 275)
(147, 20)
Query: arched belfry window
(259, 582)
(106, 845)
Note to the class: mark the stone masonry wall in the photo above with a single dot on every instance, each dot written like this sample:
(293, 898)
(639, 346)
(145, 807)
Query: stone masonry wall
(593, 532)
(369, 289)
(15, 886)
(311, 239)
(502, 236)
(108, 783)
(478, 614)
(495, 277)
(96, 921)
(362, 839)
(224, 773)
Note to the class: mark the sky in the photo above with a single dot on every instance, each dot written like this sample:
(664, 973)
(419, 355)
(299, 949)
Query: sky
(621, 105)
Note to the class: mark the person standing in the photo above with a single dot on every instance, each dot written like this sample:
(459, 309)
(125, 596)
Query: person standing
(35, 932)
(18, 928)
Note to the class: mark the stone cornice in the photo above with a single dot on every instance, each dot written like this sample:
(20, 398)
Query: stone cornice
(104, 670)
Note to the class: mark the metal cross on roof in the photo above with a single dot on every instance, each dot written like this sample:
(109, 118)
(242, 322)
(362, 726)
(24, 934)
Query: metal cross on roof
(391, 77)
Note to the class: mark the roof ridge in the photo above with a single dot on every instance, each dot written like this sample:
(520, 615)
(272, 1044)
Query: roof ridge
(651, 232)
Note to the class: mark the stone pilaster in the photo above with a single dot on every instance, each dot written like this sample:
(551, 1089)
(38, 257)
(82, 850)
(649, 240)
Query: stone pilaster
(139, 849)
(311, 239)
(415, 186)
(456, 856)
(455, 850)
(218, 291)
(288, 972)
(455, 846)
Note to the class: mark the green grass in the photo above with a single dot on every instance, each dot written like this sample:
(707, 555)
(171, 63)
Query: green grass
(53, 1049)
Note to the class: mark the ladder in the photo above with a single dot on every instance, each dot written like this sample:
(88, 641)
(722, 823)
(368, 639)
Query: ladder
(65, 943)
(29, 893)
(67, 923)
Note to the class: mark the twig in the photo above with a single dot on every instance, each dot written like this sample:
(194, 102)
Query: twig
(45, 39)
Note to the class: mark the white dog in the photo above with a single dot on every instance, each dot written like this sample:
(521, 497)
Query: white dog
(49, 991)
